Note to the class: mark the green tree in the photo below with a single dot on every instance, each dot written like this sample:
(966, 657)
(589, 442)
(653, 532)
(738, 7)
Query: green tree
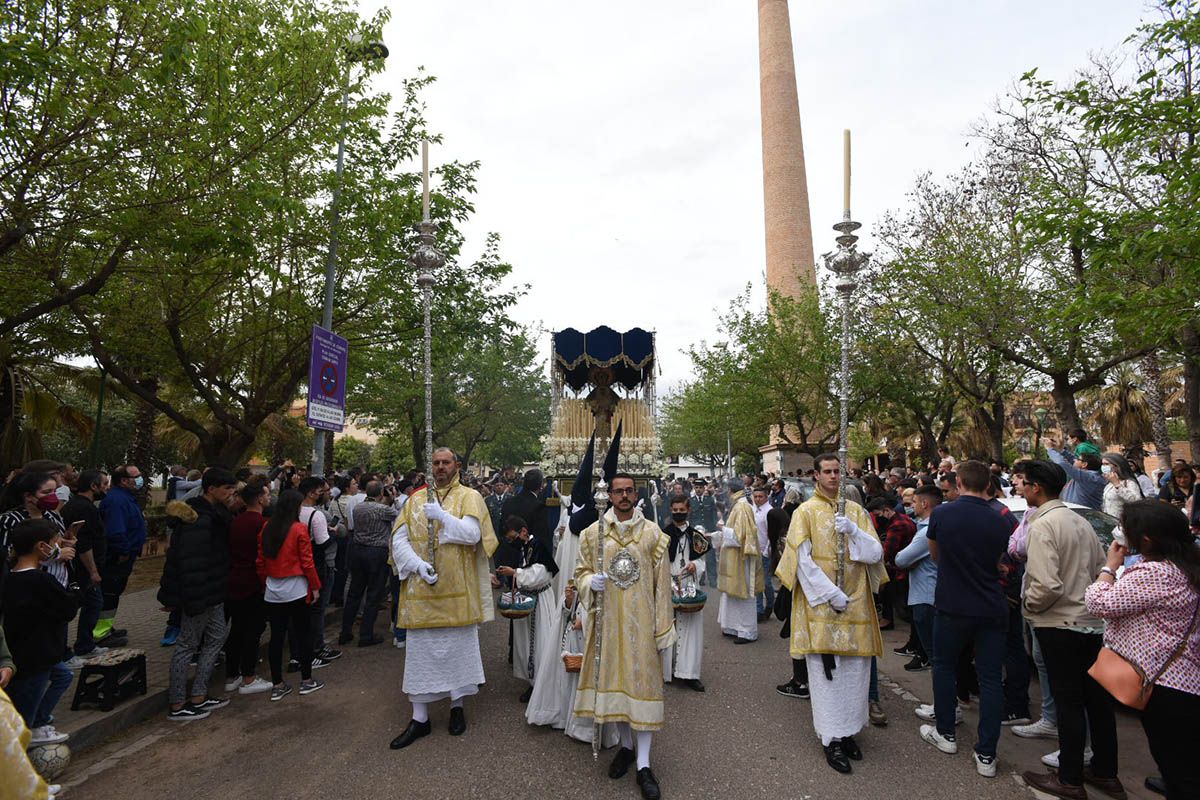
(349, 452)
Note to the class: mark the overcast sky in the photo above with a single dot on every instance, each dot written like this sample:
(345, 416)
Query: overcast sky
(620, 141)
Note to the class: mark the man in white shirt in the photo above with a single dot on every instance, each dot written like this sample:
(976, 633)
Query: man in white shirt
(316, 492)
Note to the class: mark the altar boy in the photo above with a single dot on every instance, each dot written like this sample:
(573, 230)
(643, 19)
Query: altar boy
(687, 551)
(536, 637)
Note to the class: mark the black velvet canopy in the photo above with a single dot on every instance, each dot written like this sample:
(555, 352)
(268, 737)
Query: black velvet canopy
(630, 355)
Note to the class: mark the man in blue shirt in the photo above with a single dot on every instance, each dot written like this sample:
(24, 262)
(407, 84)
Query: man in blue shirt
(1087, 483)
(922, 574)
(967, 539)
(125, 532)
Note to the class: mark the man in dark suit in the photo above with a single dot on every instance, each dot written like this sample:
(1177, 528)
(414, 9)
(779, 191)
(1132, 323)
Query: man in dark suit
(529, 506)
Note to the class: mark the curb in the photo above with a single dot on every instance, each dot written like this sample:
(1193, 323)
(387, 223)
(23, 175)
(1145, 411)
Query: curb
(130, 712)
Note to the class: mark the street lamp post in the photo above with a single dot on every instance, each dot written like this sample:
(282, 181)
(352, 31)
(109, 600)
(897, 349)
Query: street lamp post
(358, 51)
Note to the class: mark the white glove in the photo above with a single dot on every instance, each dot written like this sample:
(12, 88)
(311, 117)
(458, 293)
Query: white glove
(425, 572)
(840, 601)
(843, 525)
(598, 581)
(434, 511)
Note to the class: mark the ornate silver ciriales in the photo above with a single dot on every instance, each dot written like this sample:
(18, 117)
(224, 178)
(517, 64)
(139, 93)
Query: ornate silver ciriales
(426, 259)
(601, 501)
(845, 262)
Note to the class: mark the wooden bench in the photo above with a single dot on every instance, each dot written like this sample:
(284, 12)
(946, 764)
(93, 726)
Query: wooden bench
(111, 677)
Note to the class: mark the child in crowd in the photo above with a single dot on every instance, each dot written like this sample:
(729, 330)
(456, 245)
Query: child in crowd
(37, 609)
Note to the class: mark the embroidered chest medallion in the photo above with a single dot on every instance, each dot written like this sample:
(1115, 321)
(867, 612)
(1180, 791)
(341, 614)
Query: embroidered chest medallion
(624, 569)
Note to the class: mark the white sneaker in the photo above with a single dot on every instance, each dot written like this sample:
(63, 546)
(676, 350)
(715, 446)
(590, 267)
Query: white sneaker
(255, 686)
(233, 683)
(925, 712)
(1041, 729)
(930, 734)
(985, 765)
(53, 789)
(1051, 759)
(399, 642)
(47, 735)
(75, 662)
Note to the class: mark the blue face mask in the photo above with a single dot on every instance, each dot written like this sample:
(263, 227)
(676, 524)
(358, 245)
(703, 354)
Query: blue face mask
(139, 482)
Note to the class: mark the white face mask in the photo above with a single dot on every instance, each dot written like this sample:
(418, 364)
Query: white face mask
(1106, 468)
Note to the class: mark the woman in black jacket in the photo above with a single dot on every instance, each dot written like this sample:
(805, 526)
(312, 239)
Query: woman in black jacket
(194, 580)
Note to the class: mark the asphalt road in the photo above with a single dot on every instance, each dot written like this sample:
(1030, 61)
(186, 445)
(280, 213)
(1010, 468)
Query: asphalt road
(739, 740)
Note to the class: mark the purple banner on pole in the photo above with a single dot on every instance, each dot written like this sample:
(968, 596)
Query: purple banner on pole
(327, 381)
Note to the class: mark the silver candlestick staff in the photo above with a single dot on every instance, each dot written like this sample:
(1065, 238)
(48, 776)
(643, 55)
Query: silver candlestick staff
(427, 259)
(601, 501)
(845, 262)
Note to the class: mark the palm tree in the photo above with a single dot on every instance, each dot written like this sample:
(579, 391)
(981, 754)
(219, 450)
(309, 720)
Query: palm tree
(1121, 411)
(30, 407)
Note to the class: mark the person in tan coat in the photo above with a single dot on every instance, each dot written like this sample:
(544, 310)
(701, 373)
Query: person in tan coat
(1064, 559)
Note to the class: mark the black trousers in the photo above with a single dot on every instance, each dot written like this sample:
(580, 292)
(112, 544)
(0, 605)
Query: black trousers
(1170, 724)
(1068, 656)
(292, 620)
(368, 576)
(247, 620)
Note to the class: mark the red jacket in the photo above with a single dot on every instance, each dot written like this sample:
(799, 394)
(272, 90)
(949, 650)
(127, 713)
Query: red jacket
(295, 557)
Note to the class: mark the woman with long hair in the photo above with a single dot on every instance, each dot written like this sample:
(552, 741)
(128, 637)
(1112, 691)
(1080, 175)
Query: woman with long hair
(1122, 484)
(31, 495)
(1151, 615)
(1180, 486)
(285, 566)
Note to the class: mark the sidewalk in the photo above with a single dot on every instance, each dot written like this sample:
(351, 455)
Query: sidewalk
(1015, 754)
(139, 614)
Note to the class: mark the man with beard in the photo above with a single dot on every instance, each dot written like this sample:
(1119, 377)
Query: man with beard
(440, 547)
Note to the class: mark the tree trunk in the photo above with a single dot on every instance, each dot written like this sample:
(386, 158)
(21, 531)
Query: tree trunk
(1191, 388)
(995, 428)
(1064, 403)
(1157, 404)
(227, 449)
(141, 447)
(328, 453)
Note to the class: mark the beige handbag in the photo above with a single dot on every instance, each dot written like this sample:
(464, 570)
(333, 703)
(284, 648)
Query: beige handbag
(1125, 680)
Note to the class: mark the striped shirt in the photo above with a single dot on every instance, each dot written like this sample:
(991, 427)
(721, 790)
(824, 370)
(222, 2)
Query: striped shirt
(373, 524)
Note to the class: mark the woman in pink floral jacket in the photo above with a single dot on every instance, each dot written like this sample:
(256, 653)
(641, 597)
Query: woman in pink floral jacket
(1149, 613)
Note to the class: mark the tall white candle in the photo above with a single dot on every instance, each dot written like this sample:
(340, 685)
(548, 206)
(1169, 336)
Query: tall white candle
(425, 179)
(846, 171)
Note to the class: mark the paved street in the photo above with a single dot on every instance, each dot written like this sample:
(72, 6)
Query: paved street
(739, 740)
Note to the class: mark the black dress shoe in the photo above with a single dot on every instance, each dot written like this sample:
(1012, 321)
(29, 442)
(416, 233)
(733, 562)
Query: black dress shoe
(414, 731)
(1155, 784)
(458, 721)
(620, 763)
(695, 684)
(835, 756)
(370, 642)
(525, 695)
(851, 748)
(740, 640)
(649, 784)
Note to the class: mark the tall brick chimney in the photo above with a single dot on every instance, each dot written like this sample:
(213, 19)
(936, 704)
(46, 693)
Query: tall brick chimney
(785, 188)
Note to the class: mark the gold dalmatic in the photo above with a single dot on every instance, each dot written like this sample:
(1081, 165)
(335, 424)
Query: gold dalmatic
(740, 573)
(463, 593)
(820, 629)
(638, 622)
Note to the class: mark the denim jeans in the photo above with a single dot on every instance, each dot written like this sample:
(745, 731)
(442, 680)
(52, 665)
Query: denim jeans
(35, 696)
(368, 576)
(710, 567)
(341, 570)
(1049, 712)
(316, 611)
(952, 634)
(91, 601)
(766, 598)
(923, 621)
